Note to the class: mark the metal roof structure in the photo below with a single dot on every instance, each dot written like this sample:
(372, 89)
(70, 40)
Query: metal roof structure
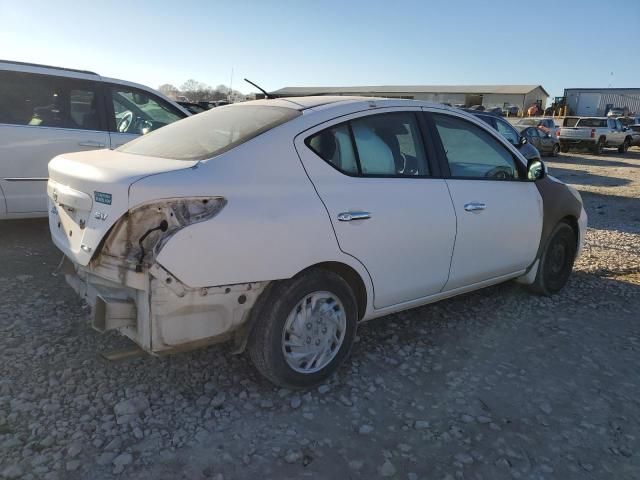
(397, 89)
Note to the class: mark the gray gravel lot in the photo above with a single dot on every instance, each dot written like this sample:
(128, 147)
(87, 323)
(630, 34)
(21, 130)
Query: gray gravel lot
(494, 384)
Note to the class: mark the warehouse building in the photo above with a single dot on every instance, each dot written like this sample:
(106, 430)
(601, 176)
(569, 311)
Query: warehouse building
(598, 101)
(522, 96)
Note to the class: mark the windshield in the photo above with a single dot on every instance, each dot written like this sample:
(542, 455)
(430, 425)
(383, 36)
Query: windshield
(209, 133)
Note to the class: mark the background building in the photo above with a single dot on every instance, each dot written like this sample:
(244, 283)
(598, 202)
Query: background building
(597, 101)
(501, 96)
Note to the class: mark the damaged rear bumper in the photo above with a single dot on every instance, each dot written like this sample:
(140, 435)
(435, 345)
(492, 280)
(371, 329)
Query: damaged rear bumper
(157, 311)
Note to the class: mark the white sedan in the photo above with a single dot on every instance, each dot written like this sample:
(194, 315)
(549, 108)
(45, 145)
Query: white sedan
(281, 224)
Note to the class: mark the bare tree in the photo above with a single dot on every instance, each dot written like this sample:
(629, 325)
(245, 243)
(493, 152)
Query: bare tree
(169, 90)
(196, 91)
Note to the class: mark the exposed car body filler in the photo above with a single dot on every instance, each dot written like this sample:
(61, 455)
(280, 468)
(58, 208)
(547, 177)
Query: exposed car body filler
(558, 202)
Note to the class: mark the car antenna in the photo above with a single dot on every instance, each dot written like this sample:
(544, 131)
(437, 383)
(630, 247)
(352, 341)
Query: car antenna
(266, 94)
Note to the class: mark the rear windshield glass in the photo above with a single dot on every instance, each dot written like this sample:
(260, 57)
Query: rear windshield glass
(592, 122)
(209, 133)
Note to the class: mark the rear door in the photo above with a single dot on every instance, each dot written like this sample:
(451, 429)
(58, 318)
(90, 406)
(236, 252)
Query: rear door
(386, 203)
(42, 116)
(499, 213)
(133, 112)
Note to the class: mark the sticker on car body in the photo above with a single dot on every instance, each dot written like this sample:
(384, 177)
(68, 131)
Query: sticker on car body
(102, 197)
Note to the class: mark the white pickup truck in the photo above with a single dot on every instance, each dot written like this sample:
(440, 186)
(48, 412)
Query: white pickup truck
(594, 133)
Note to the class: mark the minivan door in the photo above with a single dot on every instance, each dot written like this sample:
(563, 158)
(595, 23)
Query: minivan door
(376, 179)
(42, 116)
(133, 112)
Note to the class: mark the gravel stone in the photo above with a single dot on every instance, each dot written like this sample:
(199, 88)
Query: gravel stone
(387, 469)
(365, 429)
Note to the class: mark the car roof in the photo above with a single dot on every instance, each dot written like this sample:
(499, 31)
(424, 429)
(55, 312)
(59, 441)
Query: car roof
(327, 101)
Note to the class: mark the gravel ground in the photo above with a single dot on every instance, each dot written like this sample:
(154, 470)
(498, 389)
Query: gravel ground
(490, 385)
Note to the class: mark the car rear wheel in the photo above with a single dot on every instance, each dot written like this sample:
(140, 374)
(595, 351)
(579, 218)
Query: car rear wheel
(564, 148)
(624, 147)
(556, 262)
(556, 150)
(304, 330)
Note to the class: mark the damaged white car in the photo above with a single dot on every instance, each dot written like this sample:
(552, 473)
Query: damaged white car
(281, 224)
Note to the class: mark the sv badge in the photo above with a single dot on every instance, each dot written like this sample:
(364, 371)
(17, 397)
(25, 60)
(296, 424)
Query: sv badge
(100, 216)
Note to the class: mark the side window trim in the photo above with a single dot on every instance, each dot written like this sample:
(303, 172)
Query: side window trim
(417, 116)
(442, 156)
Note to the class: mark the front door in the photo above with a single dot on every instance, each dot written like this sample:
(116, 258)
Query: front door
(374, 176)
(42, 116)
(499, 212)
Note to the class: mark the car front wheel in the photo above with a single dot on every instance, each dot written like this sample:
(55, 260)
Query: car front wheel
(624, 147)
(556, 262)
(304, 329)
(556, 150)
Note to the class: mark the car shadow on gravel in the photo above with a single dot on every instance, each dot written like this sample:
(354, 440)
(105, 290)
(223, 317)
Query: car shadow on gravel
(591, 160)
(584, 177)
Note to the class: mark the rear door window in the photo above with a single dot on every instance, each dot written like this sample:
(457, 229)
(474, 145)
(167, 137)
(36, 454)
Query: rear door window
(50, 101)
(388, 144)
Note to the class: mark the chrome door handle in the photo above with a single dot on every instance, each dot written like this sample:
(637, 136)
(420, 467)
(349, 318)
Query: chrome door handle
(92, 144)
(474, 206)
(348, 216)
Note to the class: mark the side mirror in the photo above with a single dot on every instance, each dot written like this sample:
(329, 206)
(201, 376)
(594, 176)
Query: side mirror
(624, 129)
(523, 141)
(535, 170)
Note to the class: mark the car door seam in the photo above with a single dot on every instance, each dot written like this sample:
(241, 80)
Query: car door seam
(455, 235)
(335, 234)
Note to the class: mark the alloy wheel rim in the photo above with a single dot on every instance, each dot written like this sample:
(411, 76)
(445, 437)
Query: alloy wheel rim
(314, 332)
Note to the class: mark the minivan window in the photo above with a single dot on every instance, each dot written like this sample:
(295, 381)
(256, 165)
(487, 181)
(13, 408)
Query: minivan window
(210, 133)
(49, 101)
(139, 112)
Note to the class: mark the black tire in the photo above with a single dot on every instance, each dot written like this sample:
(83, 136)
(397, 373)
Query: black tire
(265, 343)
(625, 146)
(598, 148)
(556, 261)
(556, 150)
(564, 148)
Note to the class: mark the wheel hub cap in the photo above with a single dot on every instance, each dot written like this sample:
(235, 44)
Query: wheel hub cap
(314, 332)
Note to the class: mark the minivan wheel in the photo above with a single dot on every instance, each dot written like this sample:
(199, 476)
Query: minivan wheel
(556, 150)
(564, 148)
(556, 261)
(305, 329)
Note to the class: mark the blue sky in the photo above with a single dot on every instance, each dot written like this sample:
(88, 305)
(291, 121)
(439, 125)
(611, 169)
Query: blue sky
(559, 44)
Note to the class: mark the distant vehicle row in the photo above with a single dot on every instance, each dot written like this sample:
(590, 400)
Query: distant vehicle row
(594, 134)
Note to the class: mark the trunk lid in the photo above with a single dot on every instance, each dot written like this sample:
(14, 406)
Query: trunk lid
(89, 191)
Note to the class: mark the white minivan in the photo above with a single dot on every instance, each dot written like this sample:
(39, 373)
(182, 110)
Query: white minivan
(281, 224)
(46, 111)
